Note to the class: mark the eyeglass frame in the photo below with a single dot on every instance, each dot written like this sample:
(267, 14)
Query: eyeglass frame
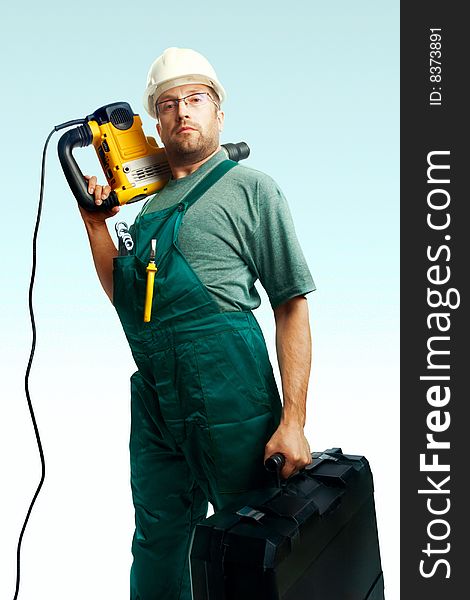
(178, 100)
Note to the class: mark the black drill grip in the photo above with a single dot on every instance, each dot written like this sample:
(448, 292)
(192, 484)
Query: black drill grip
(79, 138)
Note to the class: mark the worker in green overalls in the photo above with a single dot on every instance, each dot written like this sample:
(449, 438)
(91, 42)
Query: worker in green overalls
(205, 408)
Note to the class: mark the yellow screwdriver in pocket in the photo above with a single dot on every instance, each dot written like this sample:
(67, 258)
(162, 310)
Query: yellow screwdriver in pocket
(151, 271)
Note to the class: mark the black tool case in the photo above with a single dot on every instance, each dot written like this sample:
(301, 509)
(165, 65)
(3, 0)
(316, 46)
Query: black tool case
(314, 538)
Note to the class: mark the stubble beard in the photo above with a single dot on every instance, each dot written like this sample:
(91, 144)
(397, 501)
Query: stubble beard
(188, 149)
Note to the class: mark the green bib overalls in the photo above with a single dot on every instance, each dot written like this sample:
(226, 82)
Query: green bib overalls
(204, 401)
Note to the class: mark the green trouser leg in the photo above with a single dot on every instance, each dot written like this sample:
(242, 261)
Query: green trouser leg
(168, 504)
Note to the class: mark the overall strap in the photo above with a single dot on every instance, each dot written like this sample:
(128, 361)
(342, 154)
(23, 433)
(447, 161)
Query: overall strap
(208, 181)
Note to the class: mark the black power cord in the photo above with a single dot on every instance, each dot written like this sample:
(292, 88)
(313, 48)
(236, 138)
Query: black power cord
(33, 347)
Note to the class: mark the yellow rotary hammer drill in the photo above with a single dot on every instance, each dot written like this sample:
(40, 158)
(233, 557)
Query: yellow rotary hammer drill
(134, 165)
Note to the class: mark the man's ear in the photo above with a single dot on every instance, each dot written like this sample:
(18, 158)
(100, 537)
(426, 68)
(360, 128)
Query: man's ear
(159, 130)
(220, 119)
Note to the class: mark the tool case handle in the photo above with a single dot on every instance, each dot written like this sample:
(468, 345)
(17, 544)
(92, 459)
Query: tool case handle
(276, 462)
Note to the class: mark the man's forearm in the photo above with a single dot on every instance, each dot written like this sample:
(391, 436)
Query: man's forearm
(294, 353)
(103, 251)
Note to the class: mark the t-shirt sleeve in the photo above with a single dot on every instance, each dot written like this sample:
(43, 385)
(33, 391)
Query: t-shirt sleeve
(280, 262)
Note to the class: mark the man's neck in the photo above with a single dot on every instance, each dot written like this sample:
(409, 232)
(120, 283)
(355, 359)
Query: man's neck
(179, 171)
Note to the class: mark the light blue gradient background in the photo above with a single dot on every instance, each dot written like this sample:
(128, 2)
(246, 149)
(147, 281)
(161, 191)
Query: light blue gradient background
(313, 88)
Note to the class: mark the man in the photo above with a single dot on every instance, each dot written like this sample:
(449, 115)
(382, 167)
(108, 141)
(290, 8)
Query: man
(206, 411)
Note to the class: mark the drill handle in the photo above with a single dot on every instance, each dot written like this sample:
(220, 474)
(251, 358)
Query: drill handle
(79, 138)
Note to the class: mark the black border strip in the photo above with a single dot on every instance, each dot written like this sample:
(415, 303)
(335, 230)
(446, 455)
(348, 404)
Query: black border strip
(434, 269)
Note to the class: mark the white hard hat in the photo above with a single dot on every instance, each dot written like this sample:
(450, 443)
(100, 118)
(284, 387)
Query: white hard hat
(179, 66)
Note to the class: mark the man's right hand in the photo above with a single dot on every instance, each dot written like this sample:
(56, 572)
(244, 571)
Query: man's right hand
(100, 193)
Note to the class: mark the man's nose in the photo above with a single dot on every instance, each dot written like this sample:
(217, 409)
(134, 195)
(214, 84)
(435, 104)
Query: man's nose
(182, 110)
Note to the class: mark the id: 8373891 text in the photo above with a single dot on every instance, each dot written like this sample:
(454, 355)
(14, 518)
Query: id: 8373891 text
(435, 67)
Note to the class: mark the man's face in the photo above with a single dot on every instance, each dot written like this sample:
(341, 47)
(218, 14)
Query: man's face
(190, 133)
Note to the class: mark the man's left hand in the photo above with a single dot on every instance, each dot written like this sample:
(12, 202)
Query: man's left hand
(289, 439)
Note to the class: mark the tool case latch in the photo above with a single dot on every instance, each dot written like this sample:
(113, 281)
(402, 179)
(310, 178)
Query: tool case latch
(250, 513)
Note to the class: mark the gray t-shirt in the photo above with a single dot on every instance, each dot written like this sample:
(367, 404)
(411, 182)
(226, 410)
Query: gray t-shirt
(239, 231)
